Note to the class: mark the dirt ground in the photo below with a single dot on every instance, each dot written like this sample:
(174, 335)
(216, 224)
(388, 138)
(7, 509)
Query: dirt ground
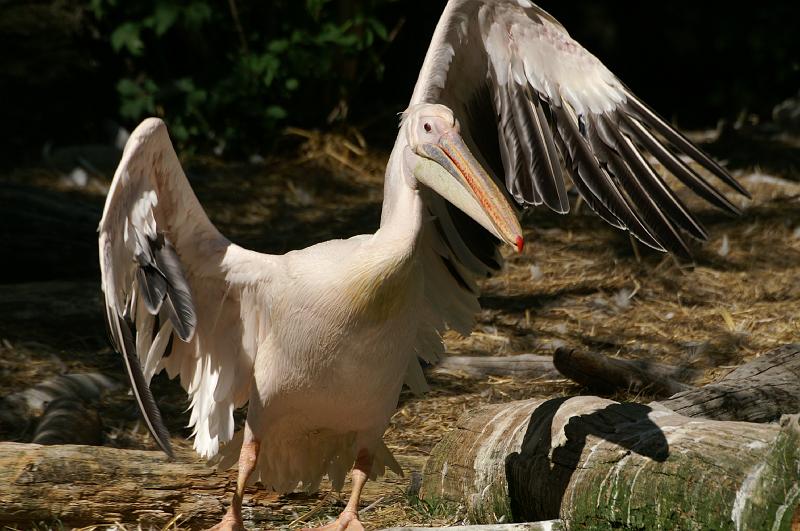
(579, 283)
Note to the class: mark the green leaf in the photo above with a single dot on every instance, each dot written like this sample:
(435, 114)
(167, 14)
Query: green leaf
(271, 66)
(314, 8)
(179, 131)
(278, 46)
(184, 84)
(164, 17)
(276, 112)
(378, 27)
(196, 13)
(137, 99)
(127, 87)
(127, 36)
(97, 9)
(292, 84)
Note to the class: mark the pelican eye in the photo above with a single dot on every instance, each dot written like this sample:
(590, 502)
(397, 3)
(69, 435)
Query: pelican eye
(427, 127)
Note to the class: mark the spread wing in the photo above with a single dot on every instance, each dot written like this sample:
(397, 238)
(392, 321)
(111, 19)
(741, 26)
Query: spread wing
(179, 296)
(538, 107)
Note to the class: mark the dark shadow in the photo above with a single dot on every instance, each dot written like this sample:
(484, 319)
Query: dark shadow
(533, 470)
(47, 234)
(519, 302)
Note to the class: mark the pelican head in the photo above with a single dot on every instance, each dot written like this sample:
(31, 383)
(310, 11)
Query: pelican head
(440, 159)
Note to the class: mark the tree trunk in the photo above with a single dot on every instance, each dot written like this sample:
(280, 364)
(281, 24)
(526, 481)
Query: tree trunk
(83, 485)
(88, 485)
(599, 464)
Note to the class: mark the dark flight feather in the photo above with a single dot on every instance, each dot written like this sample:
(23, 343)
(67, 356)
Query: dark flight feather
(596, 180)
(141, 391)
(652, 182)
(543, 181)
(677, 167)
(646, 115)
(152, 287)
(180, 306)
(649, 212)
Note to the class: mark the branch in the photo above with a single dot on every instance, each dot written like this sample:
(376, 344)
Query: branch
(608, 375)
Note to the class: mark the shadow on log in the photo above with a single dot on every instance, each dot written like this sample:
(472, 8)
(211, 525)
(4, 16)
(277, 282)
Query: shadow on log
(598, 464)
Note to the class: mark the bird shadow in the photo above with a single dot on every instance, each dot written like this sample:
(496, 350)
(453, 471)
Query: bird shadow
(539, 474)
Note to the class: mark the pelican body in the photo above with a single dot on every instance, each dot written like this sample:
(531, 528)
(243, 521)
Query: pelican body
(319, 341)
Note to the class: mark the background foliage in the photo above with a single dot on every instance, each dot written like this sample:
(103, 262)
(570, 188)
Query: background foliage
(230, 74)
(222, 71)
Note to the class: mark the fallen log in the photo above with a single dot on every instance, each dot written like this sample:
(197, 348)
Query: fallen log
(76, 486)
(759, 391)
(608, 375)
(596, 463)
(520, 366)
(548, 525)
(85, 485)
(69, 421)
(58, 410)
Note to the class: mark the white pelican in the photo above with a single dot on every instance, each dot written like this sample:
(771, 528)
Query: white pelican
(319, 341)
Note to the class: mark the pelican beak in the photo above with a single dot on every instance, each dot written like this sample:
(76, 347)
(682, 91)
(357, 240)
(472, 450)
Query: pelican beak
(450, 169)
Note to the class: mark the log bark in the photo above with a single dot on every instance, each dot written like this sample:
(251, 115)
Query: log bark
(547, 525)
(759, 391)
(84, 485)
(89, 485)
(69, 421)
(608, 375)
(599, 464)
(58, 410)
(520, 366)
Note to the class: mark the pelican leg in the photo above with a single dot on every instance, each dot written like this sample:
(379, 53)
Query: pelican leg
(348, 518)
(232, 521)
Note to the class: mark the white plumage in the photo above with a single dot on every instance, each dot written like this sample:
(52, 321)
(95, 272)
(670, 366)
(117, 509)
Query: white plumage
(321, 340)
(251, 307)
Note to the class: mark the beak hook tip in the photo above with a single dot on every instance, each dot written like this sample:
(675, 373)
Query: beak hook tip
(520, 244)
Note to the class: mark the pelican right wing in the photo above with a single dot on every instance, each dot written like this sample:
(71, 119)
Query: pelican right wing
(179, 296)
(536, 103)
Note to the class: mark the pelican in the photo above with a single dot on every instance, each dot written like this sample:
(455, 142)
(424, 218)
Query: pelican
(319, 341)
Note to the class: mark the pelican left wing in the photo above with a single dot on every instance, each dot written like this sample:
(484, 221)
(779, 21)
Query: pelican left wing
(535, 103)
(179, 296)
